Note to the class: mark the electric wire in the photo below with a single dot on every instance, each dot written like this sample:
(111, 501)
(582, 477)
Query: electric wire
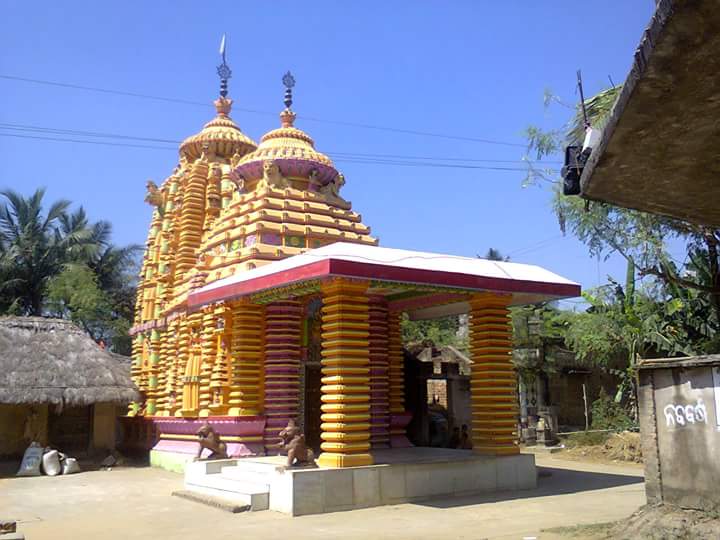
(44, 129)
(255, 111)
(341, 160)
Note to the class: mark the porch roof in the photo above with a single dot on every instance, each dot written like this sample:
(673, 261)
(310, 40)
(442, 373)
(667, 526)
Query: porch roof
(412, 280)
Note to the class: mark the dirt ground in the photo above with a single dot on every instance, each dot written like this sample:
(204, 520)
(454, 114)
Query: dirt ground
(136, 503)
(662, 522)
(617, 448)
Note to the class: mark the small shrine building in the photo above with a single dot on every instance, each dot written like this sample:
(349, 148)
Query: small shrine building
(263, 297)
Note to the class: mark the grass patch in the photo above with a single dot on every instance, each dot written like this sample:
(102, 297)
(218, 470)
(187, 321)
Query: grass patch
(584, 439)
(593, 530)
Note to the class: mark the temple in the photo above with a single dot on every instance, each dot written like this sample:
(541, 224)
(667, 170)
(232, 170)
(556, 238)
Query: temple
(263, 298)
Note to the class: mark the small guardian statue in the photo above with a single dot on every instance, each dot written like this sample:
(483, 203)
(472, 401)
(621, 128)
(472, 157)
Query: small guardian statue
(154, 197)
(293, 443)
(272, 177)
(209, 438)
(331, 190)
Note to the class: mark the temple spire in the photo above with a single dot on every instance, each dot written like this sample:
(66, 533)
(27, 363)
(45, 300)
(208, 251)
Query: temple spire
(287, 117)
(223, 70)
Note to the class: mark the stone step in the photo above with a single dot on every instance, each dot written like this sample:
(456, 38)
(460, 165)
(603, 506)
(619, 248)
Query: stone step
(222, 503)
(256, 465)
(255, 495)
(244, 475)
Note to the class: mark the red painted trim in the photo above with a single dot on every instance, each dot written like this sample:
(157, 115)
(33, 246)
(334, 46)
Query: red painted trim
(243, 288)
(383, 272)
(380, 272)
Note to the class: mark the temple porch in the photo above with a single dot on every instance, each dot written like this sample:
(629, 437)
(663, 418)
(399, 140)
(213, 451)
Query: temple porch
(333, 315)
(397, 476)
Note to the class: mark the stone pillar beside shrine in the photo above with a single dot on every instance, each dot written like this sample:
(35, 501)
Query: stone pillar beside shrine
(493, 379)
(282, 368)
(345, 428)
(399, 417)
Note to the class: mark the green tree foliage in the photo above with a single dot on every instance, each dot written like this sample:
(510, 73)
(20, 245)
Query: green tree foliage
(680, 306)
(57, 262)
(607, 413)
(442, 331)
(75, 294)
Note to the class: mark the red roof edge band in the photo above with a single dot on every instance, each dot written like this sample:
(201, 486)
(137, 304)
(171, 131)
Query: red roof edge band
(380, 272)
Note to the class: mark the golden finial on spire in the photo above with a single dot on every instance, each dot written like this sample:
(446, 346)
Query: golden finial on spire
(287, 117)
(223, 70)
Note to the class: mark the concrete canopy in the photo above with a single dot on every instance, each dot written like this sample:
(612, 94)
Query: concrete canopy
(411, 281)
(660, 149)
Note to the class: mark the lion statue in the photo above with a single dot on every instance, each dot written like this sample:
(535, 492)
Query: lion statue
(154, 197)
(293, 444)
(272, 176)
(209, 438)
(331, 190)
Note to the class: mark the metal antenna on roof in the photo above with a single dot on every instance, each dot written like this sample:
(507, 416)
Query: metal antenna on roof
(582, 99)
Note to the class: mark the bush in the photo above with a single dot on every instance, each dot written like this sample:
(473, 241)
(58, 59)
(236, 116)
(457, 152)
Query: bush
(606, 413)
(575, 440)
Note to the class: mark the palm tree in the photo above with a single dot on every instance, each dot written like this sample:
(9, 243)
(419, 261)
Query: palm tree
(35, 246)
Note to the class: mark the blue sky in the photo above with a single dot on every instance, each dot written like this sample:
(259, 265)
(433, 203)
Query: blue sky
(474, 69)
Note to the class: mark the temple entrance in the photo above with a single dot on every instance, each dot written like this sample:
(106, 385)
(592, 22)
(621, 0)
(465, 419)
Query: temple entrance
(312, 406)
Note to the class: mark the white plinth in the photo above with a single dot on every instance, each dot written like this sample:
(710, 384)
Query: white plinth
(399, 475)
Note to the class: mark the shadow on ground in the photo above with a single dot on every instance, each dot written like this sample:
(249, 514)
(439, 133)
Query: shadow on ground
(551, 481)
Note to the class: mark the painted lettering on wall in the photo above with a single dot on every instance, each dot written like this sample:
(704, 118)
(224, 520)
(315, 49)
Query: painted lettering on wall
(716, 385)
(685, 415)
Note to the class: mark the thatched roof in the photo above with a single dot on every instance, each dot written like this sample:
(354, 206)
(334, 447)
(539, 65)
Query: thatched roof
(53, 361)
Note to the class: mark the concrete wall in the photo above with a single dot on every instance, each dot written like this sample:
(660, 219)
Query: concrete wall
(18, 425)
(681, 452)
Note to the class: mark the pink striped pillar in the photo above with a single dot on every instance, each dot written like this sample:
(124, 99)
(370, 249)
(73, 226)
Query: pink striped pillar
(282, 367)
(379, 381)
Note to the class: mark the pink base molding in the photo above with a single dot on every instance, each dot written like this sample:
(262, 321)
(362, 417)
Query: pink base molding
(234, 449)
(225, 426)
(398, 424)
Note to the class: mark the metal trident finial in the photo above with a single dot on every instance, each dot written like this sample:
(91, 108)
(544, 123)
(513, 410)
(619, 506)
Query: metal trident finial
(223, 70)
(289, 81)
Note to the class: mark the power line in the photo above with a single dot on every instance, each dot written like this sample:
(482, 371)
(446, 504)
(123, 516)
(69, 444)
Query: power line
(353, 155)
(537, 245)
(85, 142)
(366, 161)
(255, 111)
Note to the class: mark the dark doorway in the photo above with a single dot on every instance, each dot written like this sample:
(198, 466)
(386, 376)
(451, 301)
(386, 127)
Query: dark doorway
(71, 429)
(312, 406)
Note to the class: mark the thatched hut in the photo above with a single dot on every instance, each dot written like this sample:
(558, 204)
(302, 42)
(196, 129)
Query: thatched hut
(58, 386)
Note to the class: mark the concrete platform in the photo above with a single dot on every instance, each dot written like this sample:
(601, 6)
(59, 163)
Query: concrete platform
(398, 476)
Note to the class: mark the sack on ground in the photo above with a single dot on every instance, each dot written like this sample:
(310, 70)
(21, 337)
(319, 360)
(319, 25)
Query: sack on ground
(51, 463)
(32, 458)
(70, 466)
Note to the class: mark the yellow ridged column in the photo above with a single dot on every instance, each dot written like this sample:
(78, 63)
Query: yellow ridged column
(161, 402)
(192, 217)
(219, 380)
(246, 353)
(396, 369)
(493, 380)
(209, 352)
(191, 379)
(346, 375)
(136, 370)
